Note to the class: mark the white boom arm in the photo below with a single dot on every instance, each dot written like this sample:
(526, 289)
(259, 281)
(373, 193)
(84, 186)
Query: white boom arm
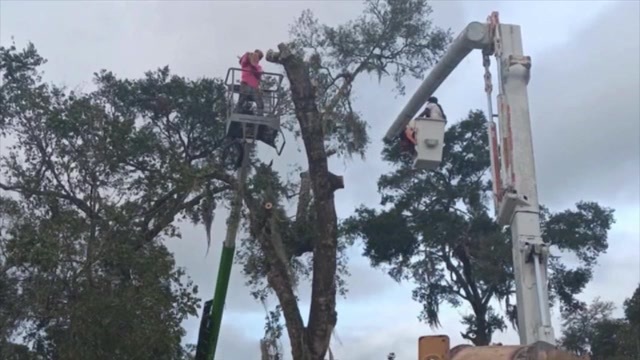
(474, 36)
(530, 254)
(512, 161)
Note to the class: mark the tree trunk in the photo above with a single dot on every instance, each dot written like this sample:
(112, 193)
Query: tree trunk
(264, 350)
(479, 333)
(279, 280)
(483, 337)
(322, 314)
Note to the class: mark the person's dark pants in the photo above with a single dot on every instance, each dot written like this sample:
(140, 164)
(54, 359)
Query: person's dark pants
(248, 93)
(407, 146)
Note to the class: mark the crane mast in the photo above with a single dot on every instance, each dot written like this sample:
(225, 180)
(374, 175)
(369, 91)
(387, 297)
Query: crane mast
(515, 187)
(515, 191)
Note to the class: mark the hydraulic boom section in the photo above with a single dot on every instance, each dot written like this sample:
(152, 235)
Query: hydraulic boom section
(517, 199)
(512, 161)
(430, 131)
(253, 114)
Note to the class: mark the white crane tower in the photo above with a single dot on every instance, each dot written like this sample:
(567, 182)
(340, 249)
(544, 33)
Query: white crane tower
(512, 163)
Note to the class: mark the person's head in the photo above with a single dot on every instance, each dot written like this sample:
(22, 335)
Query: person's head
(433, 100)
(259, 54)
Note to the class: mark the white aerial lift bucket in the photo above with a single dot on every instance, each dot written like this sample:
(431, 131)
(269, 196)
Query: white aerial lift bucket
(430, 141)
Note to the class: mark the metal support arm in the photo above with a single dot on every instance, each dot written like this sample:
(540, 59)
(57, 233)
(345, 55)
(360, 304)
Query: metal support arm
(529, 252)
(226, 257)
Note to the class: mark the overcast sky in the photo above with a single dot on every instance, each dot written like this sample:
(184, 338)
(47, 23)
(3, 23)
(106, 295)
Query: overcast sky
(585, 111)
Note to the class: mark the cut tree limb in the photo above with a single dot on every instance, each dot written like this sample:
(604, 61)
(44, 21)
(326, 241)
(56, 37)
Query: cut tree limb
(337, 182)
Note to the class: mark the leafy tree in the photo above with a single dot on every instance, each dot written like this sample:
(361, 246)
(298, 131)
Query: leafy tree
(632, 309)
(390, 39)
(105, 175)
(436, 230)
(580, 328)
(632, 314)
(94, 184)
(594, 332)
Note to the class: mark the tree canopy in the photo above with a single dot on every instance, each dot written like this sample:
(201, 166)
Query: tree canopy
(593, 330)
(95, 181)
(436, 230)
(390, 39)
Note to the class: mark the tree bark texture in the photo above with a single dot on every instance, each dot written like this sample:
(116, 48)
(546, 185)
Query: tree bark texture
(264, 350)
(322, 314)
(280, 281)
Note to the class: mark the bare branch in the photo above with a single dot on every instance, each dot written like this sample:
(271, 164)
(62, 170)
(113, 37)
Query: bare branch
(168, 217)
(30, 191)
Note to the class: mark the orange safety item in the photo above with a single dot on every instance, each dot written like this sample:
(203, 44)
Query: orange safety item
(436, 347)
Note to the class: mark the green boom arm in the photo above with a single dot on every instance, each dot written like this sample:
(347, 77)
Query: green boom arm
(226, 258)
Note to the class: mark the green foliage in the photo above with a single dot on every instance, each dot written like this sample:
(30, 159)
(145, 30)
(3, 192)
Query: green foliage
(579, 326)
(435, 230)
(273, 331)
(391, 39)
(583, 233)
(96, 182)
(594, 332)
(103, 176)
(632, 309)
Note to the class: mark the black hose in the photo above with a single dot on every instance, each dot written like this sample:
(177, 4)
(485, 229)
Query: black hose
(205, 330)
(240, 148)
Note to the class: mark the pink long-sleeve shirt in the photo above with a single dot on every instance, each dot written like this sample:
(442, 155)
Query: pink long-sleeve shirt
(251, 73)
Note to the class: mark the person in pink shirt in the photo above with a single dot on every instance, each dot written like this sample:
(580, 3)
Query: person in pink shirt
(250, 81)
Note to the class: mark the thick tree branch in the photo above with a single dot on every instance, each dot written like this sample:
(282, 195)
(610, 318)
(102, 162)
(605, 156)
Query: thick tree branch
(158, 204)
(36, 192)
(340, 95)
(169, 211)
(279, 280)
(337, 182)
(345, 75)
(488, 295)
(452, 268)
(462, 253)
(160, 223)
(455, 286)
(170, 125)
(46, 159)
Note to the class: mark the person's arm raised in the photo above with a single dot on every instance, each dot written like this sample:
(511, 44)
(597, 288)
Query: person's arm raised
(246, 59)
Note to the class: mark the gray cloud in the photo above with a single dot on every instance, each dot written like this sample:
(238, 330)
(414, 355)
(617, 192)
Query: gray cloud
(584, 93)
(618, 271)
(235, 343)
(586, 115)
